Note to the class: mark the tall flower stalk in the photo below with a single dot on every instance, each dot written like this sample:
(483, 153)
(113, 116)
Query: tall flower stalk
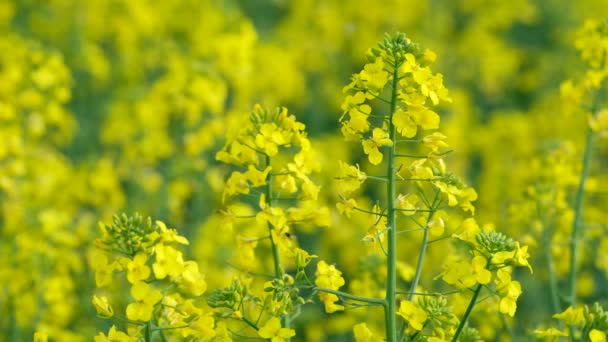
(592, 42)
(398, 77)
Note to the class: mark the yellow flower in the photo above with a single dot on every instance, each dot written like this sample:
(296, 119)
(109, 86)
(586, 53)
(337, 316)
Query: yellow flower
(328, 276)
(364, 334)
(435, 141)
(256, 177)
(413, 314)
(408, 203)
(463, 274)
(370, 146)
(550, 334)
(137, 269)
(145, 298)
(114, 336)
(273, 215)
(509, 290)
(469, 230)
(192, 280)
(102, 306)
(346, 206)
(404, 123)
(373, 76)
(350, 178)
(269, 139)
(169, 261)
(168, 235)
(272, 330)
(597, 336)
(103, 270)
(358, 113)
(302, 257)
(571, 316)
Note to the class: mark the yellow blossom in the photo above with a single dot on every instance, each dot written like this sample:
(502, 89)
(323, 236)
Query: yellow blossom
(137, 269)
(597, 335)
(102, 306)
(413, 314)
(571, 316)
(370, 146)
(145, 297)
(272, 330)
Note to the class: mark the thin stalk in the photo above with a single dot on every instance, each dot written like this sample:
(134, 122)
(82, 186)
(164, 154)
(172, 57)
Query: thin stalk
(148, 332)
(351, 296)
(275, 249)
(390, 309)
(578, 201)
(422, 253)
(553, 288)
(250, 323)
(467, 313)
(578, 213)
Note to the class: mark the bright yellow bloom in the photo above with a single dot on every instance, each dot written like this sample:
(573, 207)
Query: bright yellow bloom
(137, 269)
(358, 113)
(413, 314)
(269, 139)
(145, 297)
(404, 123)
(509, 290)
(373, 76)
(597, 336)
(272, 330)
(192, 280)
(102, 306)
(169, 261)
(273, 215)
(364, 334)
(468, 230)
(550, 334)
(103, 270)
(408, 203)
(168, 235)
(114, 336)
(236, 184)
(328, 276)
(370, 146)
(435, 141)
(571, 316)
(407, 122)
(257, 177)
(463, 274)
(346, 206)
(350, 178)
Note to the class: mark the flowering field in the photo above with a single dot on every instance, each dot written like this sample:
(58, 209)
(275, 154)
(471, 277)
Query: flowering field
(304, 170)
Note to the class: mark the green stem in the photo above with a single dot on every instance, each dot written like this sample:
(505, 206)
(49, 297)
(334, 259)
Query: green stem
(250, 323)
(580, 194)
(351, 296)
(275, 249)
(467, 313)
(148, 332)
(578, 213)
(422, 253)
(553, 288)
(390, 309)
